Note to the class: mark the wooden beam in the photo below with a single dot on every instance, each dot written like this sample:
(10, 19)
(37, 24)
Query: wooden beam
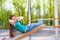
(31, 32)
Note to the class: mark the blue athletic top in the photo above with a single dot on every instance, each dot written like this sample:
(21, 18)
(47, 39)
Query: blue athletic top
(19, 27)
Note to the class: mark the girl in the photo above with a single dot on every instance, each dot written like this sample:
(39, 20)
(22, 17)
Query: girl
(19, 27)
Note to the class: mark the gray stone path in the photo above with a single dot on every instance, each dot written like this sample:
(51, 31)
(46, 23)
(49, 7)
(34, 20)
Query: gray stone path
(40, 35)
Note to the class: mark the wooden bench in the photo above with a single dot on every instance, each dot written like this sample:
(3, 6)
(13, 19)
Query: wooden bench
(31, 32)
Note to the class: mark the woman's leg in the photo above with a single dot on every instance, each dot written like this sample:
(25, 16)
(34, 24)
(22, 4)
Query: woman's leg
(31, 26)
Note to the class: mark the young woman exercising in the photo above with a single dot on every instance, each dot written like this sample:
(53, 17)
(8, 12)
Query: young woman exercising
(19, 27)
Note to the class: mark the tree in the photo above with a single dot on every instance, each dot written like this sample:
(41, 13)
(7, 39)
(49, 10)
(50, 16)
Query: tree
(20, 9)
(4, 18)
(1, 2)
(4, 15)
(59, 9)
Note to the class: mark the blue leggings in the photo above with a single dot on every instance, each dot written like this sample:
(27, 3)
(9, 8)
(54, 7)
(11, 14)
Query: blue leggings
(32, 26)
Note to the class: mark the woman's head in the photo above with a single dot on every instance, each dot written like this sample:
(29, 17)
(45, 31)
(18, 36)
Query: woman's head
(12, 17)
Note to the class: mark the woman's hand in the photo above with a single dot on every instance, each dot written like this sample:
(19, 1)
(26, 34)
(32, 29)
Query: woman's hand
(19, 18)
(11, 22)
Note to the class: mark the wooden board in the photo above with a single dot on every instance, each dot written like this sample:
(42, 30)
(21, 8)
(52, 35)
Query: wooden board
(31, 32)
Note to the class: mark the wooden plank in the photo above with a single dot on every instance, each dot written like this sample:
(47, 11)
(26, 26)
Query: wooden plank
(31, 32)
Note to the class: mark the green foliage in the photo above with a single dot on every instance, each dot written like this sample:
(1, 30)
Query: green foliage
(59, 9)
(20, 6)
(20, 10)
(4, 17)
(1, 2)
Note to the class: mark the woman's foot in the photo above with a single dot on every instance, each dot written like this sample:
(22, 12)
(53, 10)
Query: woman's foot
(40, 21)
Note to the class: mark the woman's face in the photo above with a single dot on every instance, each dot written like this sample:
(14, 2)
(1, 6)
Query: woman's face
(14, 18)
(12, 21)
